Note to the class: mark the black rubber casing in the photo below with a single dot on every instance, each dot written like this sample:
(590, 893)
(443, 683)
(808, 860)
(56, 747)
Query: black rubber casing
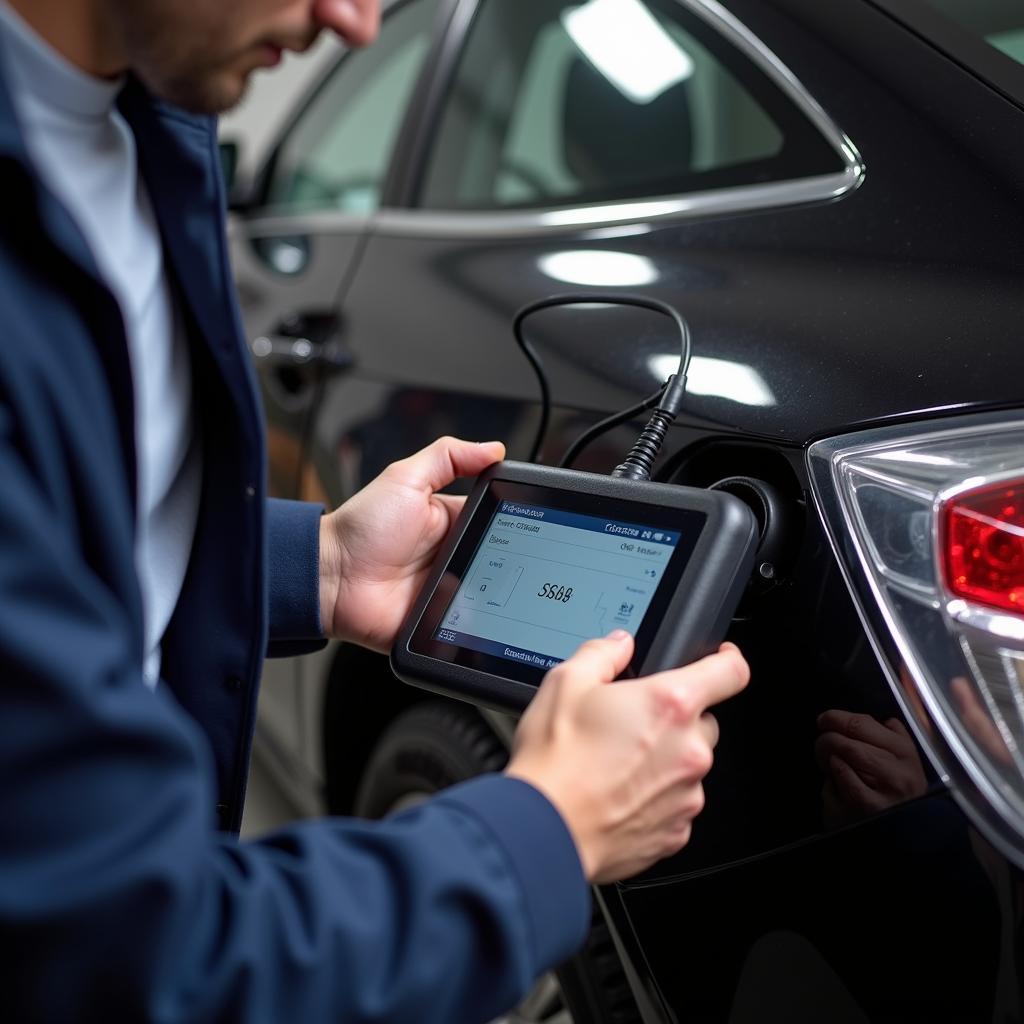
(694, 619)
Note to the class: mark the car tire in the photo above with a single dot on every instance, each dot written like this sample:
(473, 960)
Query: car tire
(433, 745)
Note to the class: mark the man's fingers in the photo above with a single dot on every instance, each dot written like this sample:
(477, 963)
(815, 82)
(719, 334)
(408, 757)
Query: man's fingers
(896, 726)
(704, 683)
(599, 661)
(708, 726)
(451, 503)
(864, 728)
(680, 802)
(980, 726)
(870, 762)
(445, 460)
(851, 788)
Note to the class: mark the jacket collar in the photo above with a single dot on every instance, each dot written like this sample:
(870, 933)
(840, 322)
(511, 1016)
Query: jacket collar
(56, 221)
(12, 144)
(180, 164)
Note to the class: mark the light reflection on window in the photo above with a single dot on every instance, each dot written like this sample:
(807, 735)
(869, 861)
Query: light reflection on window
(622, 39)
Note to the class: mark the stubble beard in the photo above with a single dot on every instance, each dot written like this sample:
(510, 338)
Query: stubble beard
(178, 65)
(198, 93)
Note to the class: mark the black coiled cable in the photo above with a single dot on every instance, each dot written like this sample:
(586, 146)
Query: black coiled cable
(639, 463)
(606, 298)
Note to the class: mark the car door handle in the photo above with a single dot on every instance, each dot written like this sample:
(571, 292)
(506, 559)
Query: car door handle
(304, 341)
(277, 350)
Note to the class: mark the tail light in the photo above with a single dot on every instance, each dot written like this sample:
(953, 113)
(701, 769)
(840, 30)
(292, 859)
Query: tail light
(982, 544)
(928, 525)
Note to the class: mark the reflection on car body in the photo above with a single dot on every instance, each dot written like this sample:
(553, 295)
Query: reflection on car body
(828, 194)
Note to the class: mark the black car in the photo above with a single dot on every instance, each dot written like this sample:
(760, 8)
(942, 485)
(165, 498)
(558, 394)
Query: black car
(831, 192)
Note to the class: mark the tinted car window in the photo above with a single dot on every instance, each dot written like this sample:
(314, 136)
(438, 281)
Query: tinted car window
(337, 154)
(560, 102)
(984, 36)
(999, 22)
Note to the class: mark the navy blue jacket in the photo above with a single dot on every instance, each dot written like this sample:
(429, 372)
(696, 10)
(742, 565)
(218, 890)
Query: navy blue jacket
(123, 895)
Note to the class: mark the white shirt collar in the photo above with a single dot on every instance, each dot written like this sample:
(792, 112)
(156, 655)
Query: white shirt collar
(49, 76)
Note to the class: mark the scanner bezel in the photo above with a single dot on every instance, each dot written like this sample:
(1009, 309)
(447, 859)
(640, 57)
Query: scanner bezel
(687, 616)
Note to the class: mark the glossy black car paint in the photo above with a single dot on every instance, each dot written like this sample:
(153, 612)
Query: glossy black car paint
(903, 298)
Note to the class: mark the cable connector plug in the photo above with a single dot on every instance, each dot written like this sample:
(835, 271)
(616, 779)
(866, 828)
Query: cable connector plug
(672, 397)
(640, 461)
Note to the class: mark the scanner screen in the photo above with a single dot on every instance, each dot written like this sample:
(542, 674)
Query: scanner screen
(543, 580)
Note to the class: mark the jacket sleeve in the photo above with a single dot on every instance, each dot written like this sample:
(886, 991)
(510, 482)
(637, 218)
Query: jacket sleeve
(119, 902)
(293, 578)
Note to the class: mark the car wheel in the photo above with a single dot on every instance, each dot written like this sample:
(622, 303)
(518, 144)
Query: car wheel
(434, 745)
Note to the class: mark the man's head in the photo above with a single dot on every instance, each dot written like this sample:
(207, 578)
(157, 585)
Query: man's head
(198, 54)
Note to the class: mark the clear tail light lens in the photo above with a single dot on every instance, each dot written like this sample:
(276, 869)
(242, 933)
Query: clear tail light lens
(928, 525)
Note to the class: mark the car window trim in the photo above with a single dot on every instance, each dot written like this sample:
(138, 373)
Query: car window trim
(262, 211)
(558, 220)
(973, 54)
(412, 147)
(401, 216)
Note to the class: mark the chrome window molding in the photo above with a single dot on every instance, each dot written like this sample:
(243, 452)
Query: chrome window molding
(267, 223)
(737, 199)
(417, 223)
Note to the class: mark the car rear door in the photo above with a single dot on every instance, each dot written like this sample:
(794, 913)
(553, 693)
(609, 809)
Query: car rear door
(294, 251)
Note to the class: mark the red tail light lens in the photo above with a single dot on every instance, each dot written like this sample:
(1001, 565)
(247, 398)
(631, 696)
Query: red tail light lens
(983, 546)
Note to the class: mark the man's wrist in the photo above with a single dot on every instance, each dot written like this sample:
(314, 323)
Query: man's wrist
(542, 782)
(330, 572)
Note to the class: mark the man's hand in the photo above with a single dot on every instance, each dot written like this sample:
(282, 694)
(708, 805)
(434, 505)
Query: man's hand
(623, 763)
(868, 765)
(376, 549)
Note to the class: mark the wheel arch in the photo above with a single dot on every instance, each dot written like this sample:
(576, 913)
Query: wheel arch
(362, 698)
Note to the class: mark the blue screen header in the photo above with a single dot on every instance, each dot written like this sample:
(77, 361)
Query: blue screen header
(610, 527)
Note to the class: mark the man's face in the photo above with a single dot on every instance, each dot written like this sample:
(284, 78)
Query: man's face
(199, 54)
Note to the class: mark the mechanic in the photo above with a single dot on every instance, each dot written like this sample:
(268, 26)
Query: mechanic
(143, 577)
